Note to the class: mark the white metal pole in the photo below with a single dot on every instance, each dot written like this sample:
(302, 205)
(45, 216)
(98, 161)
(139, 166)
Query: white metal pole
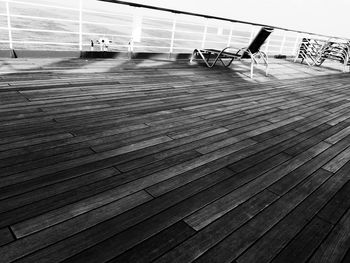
(9, 24)
(205, 33)
(173, 35)
(283, 41)
(252, 31)
(295, 49)
(137, 24)
(80, 25)
(230, 36)
(136, 28)
(267, 44)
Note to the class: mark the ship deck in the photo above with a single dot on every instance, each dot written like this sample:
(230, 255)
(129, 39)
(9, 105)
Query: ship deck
(161, 161)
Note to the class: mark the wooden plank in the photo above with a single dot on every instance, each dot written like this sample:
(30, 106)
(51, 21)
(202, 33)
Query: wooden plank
(105, 205)
(53, 191)
(322, 135)
(291, 138)
(5, 236)
(211, 212)
(38, 172)
(179, 146)
(16, 137)
(302, 214)
(84, 141)
(148, 227)
(236, 243)
(101, 232)
(337, 206)
(157, 245)
(337, 162)
(173, 183)
(22, 167)
(195, 246)
(68, 196)
(268, 246)
(178, 142)
(272, 133)
(283, 185)
(335, 246)
(29, 142)
(237, 144)
(204, 159)
(305, 243)
(346, 257)
(81, 170)
(338, 136)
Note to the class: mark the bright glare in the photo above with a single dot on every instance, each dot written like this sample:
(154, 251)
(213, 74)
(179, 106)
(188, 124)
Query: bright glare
(314, 16)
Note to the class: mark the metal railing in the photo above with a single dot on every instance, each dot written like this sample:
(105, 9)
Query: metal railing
(49, 25)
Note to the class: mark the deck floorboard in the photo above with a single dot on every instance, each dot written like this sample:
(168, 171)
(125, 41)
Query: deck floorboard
(171, 162)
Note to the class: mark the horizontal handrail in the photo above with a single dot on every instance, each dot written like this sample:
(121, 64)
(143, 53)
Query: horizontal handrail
(105, 24)
(207, 16)
(44, 18)
(104, 13)
(43, 5)
(44, 31)
(40, 42)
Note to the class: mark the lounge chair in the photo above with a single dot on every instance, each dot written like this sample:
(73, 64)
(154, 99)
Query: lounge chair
(315, 52)
(337, 51)
(252, 52)
(310, 51)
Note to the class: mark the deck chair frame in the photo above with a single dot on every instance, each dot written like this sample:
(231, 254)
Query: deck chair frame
(337, 52)
(314, 52)
(240, 54)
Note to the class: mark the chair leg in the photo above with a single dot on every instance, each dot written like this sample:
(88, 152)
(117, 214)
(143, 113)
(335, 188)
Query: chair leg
(253, 61)
(296, 57)
(251, 67)
(227, 64)
(196, 52)
(193, 55)
(266, 61)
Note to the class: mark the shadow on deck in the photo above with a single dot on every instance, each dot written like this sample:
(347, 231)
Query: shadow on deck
(156, 161)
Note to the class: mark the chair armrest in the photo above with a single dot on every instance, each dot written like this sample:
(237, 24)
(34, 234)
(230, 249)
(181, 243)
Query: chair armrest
(232, 47)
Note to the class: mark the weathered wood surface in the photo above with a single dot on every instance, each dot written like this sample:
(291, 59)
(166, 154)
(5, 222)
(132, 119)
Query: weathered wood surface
(165, 162)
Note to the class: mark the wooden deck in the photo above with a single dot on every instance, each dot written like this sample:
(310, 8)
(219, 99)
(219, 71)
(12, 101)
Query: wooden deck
(154, 161)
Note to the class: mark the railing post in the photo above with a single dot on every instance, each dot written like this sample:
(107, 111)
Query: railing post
(267, 45)
(283, 42)
(251, 34)
(205, 33)
(130, 48)
(295, 49)
(172, 36)
(80, 25)
(136, 30)
(230, 36)
(9, 27)
(137, 24)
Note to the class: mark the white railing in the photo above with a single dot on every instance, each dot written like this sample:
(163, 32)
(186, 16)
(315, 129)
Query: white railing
(46, 25)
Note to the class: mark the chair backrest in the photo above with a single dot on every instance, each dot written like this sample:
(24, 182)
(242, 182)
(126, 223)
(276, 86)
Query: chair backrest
(258, 41)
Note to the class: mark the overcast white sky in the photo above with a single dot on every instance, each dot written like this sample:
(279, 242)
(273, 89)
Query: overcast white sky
(327, 17)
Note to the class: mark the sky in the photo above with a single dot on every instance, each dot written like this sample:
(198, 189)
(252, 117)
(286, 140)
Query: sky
(314, 16)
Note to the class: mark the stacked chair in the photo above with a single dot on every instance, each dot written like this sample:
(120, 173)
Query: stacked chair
(315, 52)
(228, 54)
(337, 52)
(310, 50)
